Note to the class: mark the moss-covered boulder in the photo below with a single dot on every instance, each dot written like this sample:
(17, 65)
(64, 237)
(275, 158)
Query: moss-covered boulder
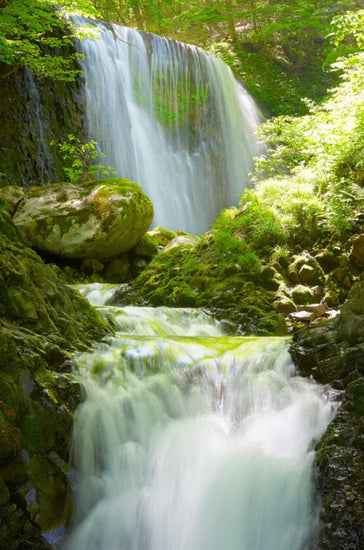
(101, 220)
(147, 247)
(305, 270)
(162, 236)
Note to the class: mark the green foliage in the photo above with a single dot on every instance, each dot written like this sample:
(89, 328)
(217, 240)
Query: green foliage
(33, 33)
(309, 185)
(79, 160)
(276, 47)
(249, 262)
(324, 149)
(172, 100)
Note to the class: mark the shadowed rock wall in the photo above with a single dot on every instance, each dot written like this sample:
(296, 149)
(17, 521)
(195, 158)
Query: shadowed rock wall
(34, 112)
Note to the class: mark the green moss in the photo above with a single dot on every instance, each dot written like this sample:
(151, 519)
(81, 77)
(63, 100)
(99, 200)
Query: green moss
(52, 506)
(277, 88)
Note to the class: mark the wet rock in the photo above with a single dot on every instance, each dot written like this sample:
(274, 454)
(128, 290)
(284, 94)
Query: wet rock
(101, 220)
(147, 246)
(306, 270)
(301, 295)
(351, 321)
(118, 270)
(162, 236)
(333, 353)
(41, 321)
(357, 252)
(34, 112)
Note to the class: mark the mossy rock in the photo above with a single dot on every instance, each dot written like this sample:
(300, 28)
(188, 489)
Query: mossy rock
(284, 305)
(272, 324)
(147, 246)
(118, 270)
(357, 252)
(48, 498)
(306, 270)
(4, 493)
(10, 198)
(162, 236)
(41, 321)
(102, 220)
(350, 323)
(302, 295)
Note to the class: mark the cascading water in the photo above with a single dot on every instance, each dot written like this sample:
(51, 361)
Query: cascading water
(44, 162)
(172, 118)
(189, 439)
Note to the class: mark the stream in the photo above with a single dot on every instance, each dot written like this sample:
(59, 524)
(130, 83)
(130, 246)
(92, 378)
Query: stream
(192, 439)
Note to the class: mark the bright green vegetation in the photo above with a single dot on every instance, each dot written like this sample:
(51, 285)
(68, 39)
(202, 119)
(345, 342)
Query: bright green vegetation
(35, 33)
(174, 101)
(308, 196)
(315, 162)
(79, 160)
(278, 48)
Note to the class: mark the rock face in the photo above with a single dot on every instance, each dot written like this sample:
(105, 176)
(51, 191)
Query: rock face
(34, 112)
(41, 322)
(333, 353)
(101, 220)
(351, 321)
(357, 253)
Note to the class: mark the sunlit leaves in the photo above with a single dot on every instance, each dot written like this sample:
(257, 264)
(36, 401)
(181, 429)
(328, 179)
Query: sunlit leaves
(32, 32)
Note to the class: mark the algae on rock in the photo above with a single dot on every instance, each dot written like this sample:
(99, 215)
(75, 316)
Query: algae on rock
(41, 322)
(101, 220)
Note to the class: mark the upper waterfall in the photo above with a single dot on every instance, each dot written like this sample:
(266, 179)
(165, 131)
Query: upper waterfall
(171, 117)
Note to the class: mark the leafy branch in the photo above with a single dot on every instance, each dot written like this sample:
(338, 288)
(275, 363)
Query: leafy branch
(79, 160)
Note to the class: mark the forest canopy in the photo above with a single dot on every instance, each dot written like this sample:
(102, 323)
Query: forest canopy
(33, 32)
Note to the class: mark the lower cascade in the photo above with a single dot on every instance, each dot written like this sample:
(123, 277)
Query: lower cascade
(189, 439)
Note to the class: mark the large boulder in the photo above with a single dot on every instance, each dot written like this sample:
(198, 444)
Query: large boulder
(101, 220)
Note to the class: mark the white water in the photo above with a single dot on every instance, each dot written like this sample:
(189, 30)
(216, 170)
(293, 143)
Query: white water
(44, 160)
(198, 442)
(172, 118)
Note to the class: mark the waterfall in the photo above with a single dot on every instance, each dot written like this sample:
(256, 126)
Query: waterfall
(43, 161)
(172, 118)
(190, 439)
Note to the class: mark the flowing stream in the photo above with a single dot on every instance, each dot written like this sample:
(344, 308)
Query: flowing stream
(189, 439)
(171, 117)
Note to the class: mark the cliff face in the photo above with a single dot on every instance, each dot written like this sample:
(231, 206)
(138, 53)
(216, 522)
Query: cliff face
(332, 353)
(42, 321)
(34, 112)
